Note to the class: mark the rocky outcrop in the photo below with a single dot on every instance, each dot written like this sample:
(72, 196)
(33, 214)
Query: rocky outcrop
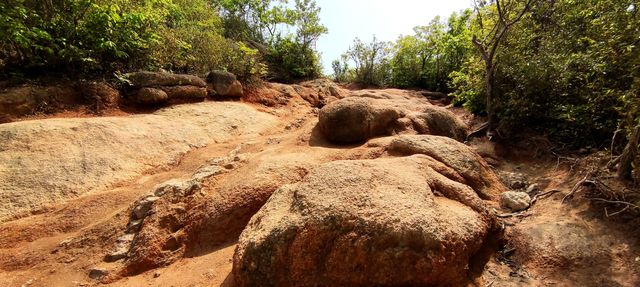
(224, 84)
(320, 92)
(153, 88)
(159, 79)
(316, 93)
(402, 221)
(557, 244)
(365, 115)
(30, 99)
(46, 161)
(474, 170)
(189, 217)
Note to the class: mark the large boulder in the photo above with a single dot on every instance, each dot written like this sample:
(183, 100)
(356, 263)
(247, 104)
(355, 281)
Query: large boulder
(185, 92)
(157, 79)
(151, 96)
(225, 84)
(356, 119)
(365, 115)
(464, 160)
(400, 221)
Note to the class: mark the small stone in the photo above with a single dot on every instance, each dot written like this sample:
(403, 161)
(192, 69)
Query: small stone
(156, 274)
(143, 206)
(134, 226)
(121, 249)
(515, 200)
(229, 166)
(97, 273)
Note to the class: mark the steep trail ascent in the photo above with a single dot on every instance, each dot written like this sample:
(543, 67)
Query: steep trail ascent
(189, 239)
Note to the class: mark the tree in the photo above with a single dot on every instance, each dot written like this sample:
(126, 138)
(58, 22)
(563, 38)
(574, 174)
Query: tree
(340, 69)
(489, 43)
(371, 62)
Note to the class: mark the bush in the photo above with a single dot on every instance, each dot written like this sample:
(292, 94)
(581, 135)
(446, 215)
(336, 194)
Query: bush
(76, 37)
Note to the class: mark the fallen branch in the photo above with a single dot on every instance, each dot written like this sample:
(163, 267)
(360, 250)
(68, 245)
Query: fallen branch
(628, 204)
(577, 187)
(542, 196)
(478, 131)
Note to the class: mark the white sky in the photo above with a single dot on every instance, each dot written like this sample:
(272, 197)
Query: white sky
(387, 19)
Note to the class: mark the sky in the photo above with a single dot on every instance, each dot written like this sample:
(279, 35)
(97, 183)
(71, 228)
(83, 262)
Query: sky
(386, 19)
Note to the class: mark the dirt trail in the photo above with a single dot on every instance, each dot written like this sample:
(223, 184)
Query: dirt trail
(59, 246)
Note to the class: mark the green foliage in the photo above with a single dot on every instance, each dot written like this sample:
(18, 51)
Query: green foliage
(426, 58)
(371, 61)
(341, 69)
(291, 60)
(289, 56)
(100, 36)
(568, 69)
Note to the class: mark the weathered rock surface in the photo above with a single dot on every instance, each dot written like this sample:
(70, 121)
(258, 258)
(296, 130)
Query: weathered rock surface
(402, 221)
(320, 92)
(151, 96)
(515, 200)
(99, 95)
(558, 244)
(189, 221)
(185, 92)
(474, 170)
(225, 84)
(369, 114)
(29, 99)
(157, 79)
(45, 161)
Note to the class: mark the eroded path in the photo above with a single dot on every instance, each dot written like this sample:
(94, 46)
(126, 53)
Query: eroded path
(82, 178)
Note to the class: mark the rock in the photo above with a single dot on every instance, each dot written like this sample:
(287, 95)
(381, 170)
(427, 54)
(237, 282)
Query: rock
(355, 119)
(150, 96)
(98, 273)
(185, 92)
(433, 120)
(78, 155)
(134, 225)
(464, 160)
(182, 188)
(225, 84)
(29, 99)
(515, 200)
(99, 95)
(157, 79)
(121, 248)
(514, 180)
(369, 114)
(565, 243)
(143, 206)
(215, 216)
(382, 222)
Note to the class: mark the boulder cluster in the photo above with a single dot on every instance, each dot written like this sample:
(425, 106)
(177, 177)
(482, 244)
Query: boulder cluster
(158, 87)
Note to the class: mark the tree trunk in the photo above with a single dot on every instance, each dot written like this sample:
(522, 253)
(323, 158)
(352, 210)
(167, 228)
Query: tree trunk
(490, 109)
(629, 154)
